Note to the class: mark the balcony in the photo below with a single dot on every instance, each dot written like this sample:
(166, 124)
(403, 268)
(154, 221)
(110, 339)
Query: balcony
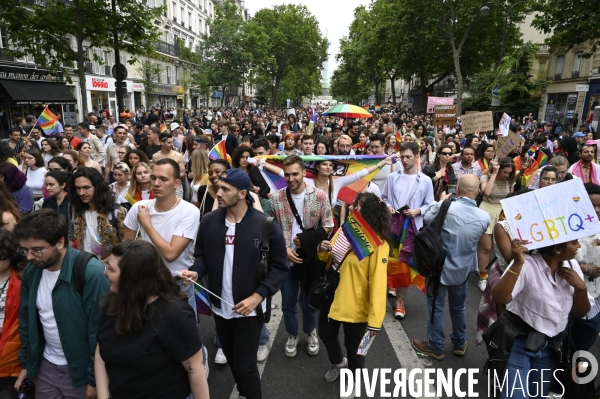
(4, 56)
(558, 76)
(88, 67)
(167, 48)
(107, 70)
(543, 49)
(575, 74)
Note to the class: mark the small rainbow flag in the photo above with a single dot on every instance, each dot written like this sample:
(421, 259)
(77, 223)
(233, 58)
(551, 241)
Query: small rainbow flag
(202, 301)
(532, 151)
(377, 108)
(542, 159)
(47, 121)
(219, 152)
(360, 235)
(398, 141)
(163, 128)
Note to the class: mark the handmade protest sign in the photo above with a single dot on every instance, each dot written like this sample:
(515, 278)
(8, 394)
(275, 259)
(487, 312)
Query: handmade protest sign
(444, 115)
(477, 122)
(552, 215)
(506, 144)
(433, 101)
(504, 124)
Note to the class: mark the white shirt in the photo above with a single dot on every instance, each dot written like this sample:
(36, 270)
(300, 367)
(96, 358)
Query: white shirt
(296, 229)
(227, 287)
(182, 221)
(3, 293)
(91, 241)
(121, 195)
(53, 350)
(35, 180)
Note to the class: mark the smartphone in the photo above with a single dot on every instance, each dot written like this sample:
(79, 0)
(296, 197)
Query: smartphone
(451, 189)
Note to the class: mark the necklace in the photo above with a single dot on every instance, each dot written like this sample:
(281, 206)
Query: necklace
(176, 203)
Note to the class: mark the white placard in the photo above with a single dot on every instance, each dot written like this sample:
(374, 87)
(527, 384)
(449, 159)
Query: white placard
(505, 124)
(552, 215)
(582, 88)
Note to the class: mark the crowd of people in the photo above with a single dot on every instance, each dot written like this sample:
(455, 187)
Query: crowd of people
(105, 234)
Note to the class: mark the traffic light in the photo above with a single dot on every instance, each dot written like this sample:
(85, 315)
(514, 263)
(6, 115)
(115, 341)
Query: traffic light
(123, 88)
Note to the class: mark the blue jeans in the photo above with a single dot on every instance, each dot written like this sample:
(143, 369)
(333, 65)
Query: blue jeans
(457, 294)
(518, 365)
(289, 306)
(264, 337)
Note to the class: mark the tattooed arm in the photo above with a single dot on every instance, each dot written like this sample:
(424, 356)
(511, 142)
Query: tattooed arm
(195, 369)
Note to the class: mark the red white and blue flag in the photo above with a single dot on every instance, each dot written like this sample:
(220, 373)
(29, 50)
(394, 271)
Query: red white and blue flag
(313, 114)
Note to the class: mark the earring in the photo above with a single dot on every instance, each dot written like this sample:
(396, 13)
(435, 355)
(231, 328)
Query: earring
(558, 253)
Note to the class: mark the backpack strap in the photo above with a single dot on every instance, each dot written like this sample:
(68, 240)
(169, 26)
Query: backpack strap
(263, 269)
(78, 276)
(439, 220)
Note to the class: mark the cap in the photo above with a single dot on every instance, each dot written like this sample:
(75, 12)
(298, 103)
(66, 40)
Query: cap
(578, 134)
(591, 142)
(238, 179)
(208, 131)
(174, 125)
(92, 127)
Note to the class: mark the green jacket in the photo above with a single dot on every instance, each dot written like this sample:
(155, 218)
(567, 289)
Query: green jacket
(77, 318)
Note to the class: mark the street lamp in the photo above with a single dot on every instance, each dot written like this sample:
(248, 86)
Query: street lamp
(485, 10)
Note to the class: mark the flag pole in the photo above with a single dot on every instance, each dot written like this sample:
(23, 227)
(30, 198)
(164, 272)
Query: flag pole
(36, 121)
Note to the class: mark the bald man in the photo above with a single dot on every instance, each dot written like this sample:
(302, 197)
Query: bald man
(464, 225)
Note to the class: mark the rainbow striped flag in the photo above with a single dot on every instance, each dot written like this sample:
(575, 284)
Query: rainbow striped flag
(163, 128)
(542, 159)
(360, 235)
(202, 301)
(343, 165)
(532, 151)
(219, 152)
(377, 108)
(398, 141)
(47, 121)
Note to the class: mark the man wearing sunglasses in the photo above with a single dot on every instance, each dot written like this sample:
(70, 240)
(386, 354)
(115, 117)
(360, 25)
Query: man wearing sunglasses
(58, 319)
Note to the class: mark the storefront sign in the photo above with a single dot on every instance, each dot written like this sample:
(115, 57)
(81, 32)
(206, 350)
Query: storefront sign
(477, 122)
(582, 88)
(550, 108)
(16, 73)
(572, 99)
(552, 215)
(95, 83)
(138, 86)
(433, 101)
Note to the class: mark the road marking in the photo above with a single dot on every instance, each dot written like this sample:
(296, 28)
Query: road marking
(272, 326)
(402, 346)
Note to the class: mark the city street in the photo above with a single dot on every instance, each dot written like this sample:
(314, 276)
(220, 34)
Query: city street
(302, 376)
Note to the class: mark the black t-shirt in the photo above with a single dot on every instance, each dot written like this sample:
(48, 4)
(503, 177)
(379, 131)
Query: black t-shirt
(208, 202)
(148, 365)
(139, 137)
(152, 149)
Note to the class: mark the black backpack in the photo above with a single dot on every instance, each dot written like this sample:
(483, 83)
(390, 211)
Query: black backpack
(78, 277)
(429, 254)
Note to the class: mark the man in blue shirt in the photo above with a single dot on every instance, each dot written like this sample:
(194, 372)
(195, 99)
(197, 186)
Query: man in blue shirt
(463, 227)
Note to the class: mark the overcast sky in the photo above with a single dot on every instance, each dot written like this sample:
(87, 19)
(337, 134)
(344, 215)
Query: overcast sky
(333, 15)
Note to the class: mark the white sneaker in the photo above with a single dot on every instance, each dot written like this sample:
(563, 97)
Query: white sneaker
(334, 371)
(291, 346)
(482, 284)
(263, 352)
(205, 360)
(220, 357)
(313, 343)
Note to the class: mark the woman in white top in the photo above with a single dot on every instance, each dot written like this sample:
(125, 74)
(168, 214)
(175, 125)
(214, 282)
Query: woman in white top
(35, 171)
(121, 184)
(50, 149)
(84, 157)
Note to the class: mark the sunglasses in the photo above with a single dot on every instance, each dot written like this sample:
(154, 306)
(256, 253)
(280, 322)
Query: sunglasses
(446, 153)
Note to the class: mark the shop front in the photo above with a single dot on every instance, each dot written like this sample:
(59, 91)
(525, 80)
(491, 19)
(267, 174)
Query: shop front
(563, 102)
(138, 91)
(27, 91)
(165, 97)
(592, 99)
(101, 93)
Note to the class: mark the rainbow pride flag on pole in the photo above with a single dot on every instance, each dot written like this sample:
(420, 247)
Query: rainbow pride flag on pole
(47, 121)
(360, 235)
(202, 301)
(219, 151)
(163, 128)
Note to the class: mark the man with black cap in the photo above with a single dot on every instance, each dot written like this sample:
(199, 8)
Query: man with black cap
(228, 250)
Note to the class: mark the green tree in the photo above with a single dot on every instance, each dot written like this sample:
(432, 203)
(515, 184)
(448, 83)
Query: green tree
(150, 72)
(292, 41)
(44, 30)
(479, 92)
(569, 22)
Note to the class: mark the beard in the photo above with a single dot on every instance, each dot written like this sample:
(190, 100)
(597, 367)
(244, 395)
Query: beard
(48, 263)
(344, 152)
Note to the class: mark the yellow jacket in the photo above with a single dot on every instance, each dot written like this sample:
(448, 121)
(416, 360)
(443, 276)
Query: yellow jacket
(361, 295)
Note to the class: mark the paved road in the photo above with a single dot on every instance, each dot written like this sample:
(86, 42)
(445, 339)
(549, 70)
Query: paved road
(302, 376)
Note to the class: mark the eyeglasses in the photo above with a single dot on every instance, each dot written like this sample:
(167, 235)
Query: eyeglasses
(235, 130)
(446, 153)
(36, 252)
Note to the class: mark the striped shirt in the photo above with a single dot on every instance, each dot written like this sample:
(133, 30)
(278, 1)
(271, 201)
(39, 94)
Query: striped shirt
(339, 250)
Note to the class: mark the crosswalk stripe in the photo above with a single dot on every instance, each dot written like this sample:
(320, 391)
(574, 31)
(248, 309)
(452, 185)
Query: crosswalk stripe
(402, 346)
(272, 326)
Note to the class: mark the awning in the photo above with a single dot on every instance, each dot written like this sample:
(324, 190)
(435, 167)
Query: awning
(25, 92)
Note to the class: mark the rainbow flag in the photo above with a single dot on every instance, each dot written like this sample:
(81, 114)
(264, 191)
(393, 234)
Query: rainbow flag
(343, 165)
(219, 152)
(47, 121)
(360, 235)
(398, 141)
(377, 108)
(532, 151)
(202, 301)
(542, 159)
(163, 128)
(398, 257)
(529, 172)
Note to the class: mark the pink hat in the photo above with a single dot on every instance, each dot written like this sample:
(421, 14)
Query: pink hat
(591, 142)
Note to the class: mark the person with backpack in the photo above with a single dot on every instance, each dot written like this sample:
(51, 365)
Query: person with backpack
(98, 220)
(59, 312)
(461, 229)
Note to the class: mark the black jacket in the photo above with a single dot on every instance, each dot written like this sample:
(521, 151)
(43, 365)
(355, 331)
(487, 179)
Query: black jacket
(210, 254)
(230, 142)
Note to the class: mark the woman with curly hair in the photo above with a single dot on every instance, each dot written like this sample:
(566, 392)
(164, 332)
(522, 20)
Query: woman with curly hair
(15, 182)
(358, 302)
(136, 156)
(390, 144)
(49, 149)
(9, 211)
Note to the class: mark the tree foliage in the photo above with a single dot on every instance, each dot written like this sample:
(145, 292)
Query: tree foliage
(150, 72)
(43, 29)
(569, 22)
(293, 45)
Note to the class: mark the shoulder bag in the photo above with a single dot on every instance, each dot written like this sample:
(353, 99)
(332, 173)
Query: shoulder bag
(262, 270)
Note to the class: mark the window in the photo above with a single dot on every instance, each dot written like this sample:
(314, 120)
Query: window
(168, 75)
(578, 61)
(205, 7)
(190, 20)
(182, 11)
(108, 58)
(200, 30)
(3, 37)
(560, 64)
(175, 11)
